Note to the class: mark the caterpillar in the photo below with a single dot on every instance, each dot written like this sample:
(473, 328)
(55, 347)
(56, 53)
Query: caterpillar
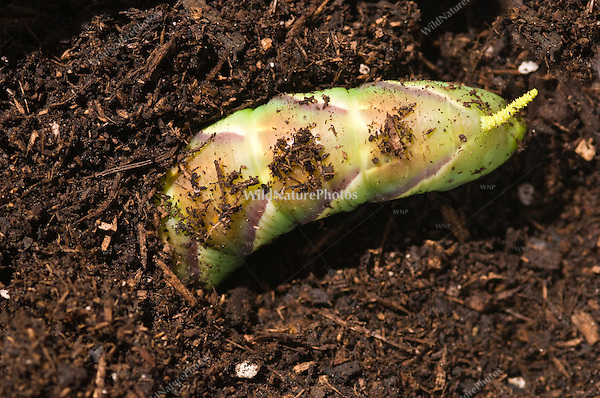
(258, 173)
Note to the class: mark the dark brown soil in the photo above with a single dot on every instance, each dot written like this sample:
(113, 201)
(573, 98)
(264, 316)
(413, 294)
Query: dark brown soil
(492, 289)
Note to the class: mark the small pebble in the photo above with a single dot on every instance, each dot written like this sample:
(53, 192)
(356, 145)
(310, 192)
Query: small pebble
(246, 370)
(518, 382)
(526, 192)
(527, 67)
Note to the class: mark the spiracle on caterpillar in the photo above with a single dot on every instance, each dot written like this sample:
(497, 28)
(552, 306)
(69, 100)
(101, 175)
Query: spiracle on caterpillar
(258, 173)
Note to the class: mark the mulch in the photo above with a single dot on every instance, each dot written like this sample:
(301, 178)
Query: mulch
(491, 289)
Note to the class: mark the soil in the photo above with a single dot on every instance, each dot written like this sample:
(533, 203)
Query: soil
(491, 289)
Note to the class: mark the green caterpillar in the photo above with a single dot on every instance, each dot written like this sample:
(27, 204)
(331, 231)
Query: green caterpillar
(258, 173)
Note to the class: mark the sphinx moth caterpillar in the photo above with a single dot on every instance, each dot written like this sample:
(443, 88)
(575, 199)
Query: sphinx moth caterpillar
(258, 173)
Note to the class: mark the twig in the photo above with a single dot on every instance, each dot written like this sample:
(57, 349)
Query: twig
(123, 168)
(113, 194)
(143, 249)
(176, 284)
(100, 375)
(365, 331)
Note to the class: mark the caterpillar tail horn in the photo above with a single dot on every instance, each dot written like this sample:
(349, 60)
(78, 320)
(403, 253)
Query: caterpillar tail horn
(497, 119)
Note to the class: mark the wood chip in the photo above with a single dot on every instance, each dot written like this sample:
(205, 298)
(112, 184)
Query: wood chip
(586, 149)
(100, 376)
(122, 113)
(105, 243)
(142, 241)
(586, 325)
(112, 226)
(568, 344)
(561, 368)
(440, 371)
(476, 302)
(108, 314)
(303, 367)
(34, 135)
(266, 43)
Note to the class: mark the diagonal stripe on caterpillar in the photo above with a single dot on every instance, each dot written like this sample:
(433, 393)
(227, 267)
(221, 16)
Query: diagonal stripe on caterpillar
(259, 172)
